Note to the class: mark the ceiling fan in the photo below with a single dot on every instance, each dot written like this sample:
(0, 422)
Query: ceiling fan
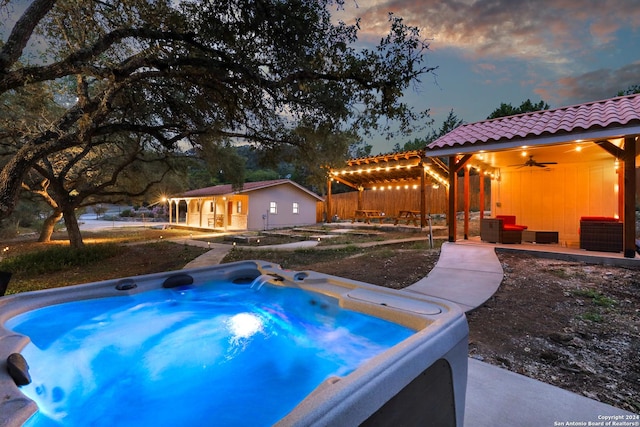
(532, 163)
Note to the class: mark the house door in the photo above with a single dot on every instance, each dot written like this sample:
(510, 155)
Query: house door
(229, 212)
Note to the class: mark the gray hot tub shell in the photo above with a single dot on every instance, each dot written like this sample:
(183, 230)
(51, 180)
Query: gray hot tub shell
(420, 381)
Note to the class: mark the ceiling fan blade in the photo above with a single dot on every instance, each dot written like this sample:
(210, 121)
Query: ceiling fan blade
(548, 163)
(540, 165)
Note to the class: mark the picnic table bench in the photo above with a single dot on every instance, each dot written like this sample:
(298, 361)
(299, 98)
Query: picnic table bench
(368, 214)
(408, 215)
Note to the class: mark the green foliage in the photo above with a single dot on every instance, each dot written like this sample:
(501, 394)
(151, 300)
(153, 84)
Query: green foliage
(526, 107)
(57, 258)
(161, 76)
(596, 297)
(262, 175)
(592, 316)
(631, 90)
(450, 123)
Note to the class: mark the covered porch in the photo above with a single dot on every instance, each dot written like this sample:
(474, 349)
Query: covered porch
(222, 212)
(551, 169)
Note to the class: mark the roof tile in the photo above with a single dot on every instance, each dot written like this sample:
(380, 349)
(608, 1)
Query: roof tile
(602, 114)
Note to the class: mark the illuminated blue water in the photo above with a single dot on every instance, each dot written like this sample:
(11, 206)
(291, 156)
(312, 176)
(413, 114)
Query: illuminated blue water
(220, 354)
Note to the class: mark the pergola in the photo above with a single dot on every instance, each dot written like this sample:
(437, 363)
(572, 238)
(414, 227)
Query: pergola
(406, 169)
(560, 163)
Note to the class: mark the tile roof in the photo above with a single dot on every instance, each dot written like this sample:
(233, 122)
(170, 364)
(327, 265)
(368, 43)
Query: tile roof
(219, 190)
(599, 115)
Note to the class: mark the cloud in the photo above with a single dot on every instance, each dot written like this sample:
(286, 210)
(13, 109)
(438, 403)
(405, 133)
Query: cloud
(590, 86)
(553, 31)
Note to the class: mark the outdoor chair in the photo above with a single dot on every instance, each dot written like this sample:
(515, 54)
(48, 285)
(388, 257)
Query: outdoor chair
(501, 229)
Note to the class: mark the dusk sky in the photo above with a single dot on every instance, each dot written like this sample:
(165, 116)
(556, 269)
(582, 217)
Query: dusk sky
(563, 52)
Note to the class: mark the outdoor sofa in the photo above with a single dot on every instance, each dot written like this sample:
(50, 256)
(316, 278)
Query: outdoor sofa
(601, 233)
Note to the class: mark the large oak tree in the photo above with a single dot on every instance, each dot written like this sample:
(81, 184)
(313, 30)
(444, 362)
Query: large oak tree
(193, 71)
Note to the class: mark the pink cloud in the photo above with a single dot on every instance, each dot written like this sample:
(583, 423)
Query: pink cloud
(547, 30)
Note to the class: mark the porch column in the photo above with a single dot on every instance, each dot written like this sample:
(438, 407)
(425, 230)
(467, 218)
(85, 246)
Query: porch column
(170, 210)
(454, 167)
(215, 213)
(329, 218)
(451, 215)
(360, 197)
(481, 179)
(629, 244)
(466, 203)
(423, 195)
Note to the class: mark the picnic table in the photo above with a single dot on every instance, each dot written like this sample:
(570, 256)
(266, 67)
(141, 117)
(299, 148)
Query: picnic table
(368, 214)
(408, 215)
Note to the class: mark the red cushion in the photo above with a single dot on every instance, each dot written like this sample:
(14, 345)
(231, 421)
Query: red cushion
(507, 219)
(599, 218)
(514, 227)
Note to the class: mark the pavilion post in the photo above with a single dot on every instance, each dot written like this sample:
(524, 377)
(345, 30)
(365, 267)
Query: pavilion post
(466, 203)
(481, 179)
(328, 219)
(629, 243)
(360, 197)
(451, 215)
(423, 195)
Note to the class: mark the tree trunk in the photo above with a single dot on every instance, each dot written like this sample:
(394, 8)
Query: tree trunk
(73, 229)
(48, 226)
(10, 182)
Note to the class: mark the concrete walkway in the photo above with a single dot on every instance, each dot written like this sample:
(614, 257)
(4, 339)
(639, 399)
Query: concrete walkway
(469, 275)
(466, 275)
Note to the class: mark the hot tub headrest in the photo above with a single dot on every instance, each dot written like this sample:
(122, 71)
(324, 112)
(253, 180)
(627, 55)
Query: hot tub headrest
(175, 280)
(18, 369)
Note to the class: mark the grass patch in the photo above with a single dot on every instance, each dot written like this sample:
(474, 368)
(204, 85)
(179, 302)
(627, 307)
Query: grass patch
(592, 316)
(57, 258)
(291, 259)
(560, 273)
(596, 297)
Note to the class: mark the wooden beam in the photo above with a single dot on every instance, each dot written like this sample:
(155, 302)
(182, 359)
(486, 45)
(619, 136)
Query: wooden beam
(345, 182)
(629, 244)
(612, 149)
(458, 163)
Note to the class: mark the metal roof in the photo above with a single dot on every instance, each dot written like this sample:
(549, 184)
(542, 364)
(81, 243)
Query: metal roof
(224, 189)
(609, 118)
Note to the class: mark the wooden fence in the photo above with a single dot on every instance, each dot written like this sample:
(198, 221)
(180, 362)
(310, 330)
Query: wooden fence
(393, 200)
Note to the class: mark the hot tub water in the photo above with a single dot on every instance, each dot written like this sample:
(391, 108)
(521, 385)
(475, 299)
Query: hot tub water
(221, 353)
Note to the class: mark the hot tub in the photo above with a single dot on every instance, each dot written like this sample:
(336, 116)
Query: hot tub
(415, 375)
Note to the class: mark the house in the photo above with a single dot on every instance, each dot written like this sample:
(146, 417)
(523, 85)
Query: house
(257, 206)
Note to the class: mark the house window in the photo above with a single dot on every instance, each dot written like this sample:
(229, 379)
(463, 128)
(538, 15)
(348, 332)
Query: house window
(210, 206)
(239, 206)
(296, 208)
(273, 208)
